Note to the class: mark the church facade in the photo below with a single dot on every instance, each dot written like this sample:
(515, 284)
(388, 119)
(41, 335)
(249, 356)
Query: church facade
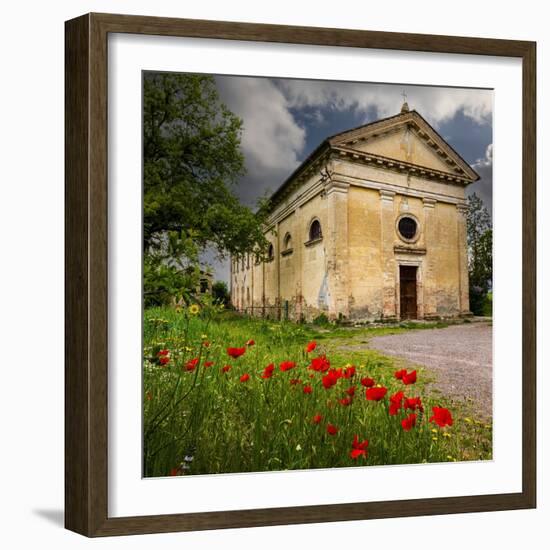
(370, 227)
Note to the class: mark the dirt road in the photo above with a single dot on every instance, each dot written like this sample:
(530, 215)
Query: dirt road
(459, 356)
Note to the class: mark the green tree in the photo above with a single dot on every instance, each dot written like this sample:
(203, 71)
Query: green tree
(220, 293)
(192, 160)
(171, 270)
(480, 252)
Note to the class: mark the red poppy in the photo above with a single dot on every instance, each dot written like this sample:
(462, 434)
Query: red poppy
(191, 364)
(226, 368)
(250, 343)
(409, 378)
(174, 471)
(287, 365)
(409, 422)
(294, 381)
(332, 429)
(358, 448)
(235, 352)
(317, 419)
(206, 344)
(413, 403)
(268, 371)
(208, 364)
(339, 372)
(311, 346)
(345, 401)
(400, 373)
(164, 360)
(163, 352)
(330, 379)
(351, 391)
(395, 402)
(308, 389)
(349, 371)
(245, 377)
(320, 364)
(367, 382)
(442, 417)
(376, 394)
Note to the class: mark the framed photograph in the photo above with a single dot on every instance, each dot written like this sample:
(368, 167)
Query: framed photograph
(300, 275)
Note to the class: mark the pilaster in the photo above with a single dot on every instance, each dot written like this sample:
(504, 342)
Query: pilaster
(430, 290)
(463, 277)
(337, 248)
(387, 233)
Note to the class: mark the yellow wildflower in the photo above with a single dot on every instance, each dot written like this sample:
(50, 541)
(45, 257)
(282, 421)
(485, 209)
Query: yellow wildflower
(194, 309)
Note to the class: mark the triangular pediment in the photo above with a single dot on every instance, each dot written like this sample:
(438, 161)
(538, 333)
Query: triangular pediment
(406, 138)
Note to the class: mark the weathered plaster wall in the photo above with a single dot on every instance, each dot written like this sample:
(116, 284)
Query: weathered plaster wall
(365, 270)
(406, 146)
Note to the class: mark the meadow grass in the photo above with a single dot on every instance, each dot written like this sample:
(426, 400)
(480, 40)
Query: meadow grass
(201, 419)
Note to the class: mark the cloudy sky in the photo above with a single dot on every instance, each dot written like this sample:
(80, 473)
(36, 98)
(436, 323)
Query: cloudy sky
(284, 120)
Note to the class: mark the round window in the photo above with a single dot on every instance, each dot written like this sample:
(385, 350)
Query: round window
(407, 227)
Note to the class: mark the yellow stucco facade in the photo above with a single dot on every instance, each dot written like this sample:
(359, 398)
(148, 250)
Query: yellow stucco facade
(372, 226)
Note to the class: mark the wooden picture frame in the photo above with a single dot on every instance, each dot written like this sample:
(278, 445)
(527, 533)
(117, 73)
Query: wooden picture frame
(86, 282)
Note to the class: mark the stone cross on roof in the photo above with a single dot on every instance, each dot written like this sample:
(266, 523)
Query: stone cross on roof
(405, 106)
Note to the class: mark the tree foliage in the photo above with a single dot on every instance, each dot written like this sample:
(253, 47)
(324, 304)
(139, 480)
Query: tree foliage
(192, 160)
(171, 271)
(220, 293)
(480, 252)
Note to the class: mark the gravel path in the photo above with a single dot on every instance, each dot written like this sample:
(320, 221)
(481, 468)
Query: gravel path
(459, 356)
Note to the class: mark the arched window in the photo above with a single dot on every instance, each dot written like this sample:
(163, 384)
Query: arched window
(315, 231)
(288, 241)
(270, 252)
(287, 245)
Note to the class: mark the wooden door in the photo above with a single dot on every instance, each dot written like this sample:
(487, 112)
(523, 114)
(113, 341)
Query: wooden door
(407, 284)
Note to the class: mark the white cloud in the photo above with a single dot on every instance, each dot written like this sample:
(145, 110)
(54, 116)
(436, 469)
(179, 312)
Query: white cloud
(484, 186)
(272, 140)
(487, 160)
(437, 105)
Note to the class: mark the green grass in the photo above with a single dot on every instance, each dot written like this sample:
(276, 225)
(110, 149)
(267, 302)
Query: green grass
(226, 425)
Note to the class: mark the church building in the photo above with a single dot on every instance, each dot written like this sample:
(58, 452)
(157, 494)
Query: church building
(370, 227)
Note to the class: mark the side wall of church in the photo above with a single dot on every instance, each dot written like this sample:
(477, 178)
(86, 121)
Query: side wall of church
(294, 281)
